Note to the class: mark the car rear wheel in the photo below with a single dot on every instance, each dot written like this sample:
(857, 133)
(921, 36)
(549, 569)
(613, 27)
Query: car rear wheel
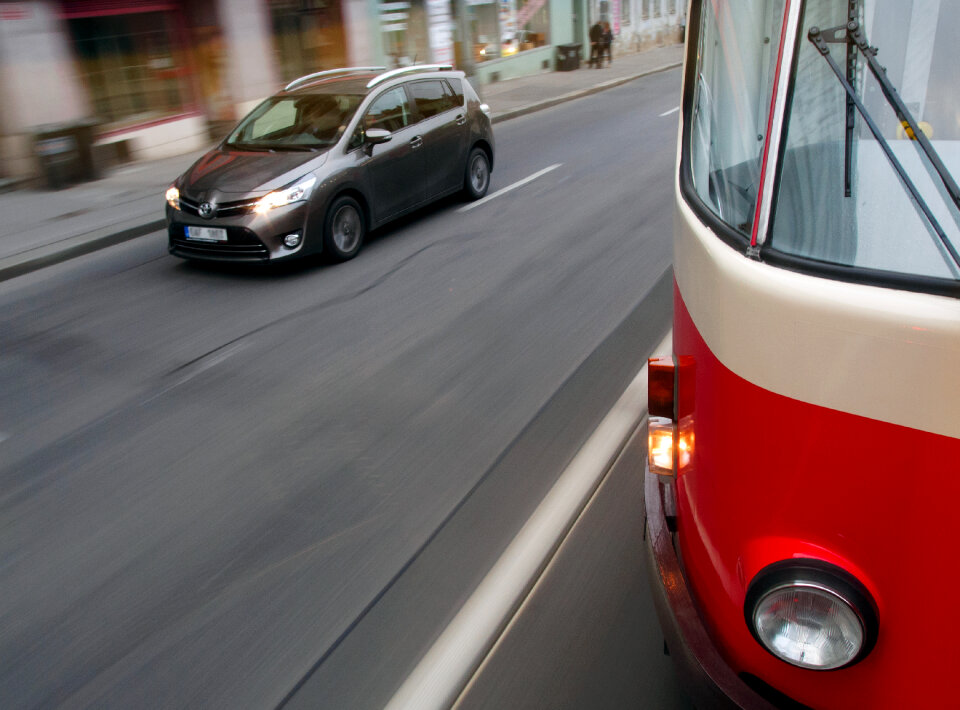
(477, 179)
(344, 229)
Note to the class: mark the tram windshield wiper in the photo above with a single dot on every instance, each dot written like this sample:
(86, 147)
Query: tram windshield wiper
(852, 35)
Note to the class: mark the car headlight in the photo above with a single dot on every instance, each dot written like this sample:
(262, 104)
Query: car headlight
(173, 197)
(300, 190)
(811, 614)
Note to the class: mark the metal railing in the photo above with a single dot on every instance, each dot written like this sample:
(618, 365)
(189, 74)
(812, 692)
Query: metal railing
(407, 70)
(330, 72)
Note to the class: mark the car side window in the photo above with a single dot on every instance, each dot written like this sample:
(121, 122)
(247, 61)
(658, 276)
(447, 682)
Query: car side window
(390, 111)
(457, 89)
(432, 97)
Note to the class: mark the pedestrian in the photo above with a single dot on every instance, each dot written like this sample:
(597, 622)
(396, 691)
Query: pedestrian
(607, 44)
(596, 45)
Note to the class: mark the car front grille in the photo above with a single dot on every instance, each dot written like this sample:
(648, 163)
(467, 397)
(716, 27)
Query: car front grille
(241, 245)
(223, 209)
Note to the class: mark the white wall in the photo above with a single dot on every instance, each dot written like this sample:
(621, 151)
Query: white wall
(251, 70)
(38, 83)
(643, 33)
(175, 137)
(359, 25)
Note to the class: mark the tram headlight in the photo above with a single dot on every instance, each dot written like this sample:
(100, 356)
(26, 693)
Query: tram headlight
(811, 615)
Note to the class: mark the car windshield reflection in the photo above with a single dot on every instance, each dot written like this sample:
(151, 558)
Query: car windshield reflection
(302, 122)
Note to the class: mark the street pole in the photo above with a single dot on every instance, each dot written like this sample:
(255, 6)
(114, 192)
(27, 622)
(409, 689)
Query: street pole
(466, 48)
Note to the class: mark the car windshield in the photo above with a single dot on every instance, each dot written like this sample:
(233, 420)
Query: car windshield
(301, 122)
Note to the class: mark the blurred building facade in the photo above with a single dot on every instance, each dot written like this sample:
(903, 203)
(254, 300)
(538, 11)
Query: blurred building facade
(160, 77)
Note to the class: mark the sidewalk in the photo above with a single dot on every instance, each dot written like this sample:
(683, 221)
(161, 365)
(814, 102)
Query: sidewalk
(40, 228)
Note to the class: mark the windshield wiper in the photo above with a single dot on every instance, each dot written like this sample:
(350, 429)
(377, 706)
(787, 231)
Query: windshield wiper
(254, 147)
(294, 147)
(852, 33)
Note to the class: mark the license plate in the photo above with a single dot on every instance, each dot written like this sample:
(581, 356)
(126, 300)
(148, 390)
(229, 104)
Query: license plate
(207, 234)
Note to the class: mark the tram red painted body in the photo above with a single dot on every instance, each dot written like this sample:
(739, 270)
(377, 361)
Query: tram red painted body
(824, 430)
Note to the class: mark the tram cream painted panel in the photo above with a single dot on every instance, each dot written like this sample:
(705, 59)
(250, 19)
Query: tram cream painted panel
(888, 355)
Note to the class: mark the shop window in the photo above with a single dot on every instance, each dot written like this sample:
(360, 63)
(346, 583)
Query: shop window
(131, 65)
(405, 25)
(308, 36)
(522, 24)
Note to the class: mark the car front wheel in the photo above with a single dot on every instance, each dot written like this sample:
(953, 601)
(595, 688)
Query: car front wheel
(477, 179)
(344, 228)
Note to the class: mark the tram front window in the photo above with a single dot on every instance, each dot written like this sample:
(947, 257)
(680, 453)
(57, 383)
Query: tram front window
(864, 216)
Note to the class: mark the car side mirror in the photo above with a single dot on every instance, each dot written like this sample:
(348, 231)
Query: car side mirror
(375, 136)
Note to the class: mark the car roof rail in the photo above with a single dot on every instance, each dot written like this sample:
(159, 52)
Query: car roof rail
(329, 72)
(407, 70)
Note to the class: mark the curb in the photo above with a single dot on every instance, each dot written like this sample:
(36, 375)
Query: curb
(549, 103)
(48, 255)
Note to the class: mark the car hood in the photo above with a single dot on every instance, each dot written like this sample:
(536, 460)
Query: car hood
(243, 172)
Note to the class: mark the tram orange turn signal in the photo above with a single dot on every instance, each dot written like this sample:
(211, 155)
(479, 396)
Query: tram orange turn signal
(660, 446)
(670, 408)
(660, 454)
(660, 387)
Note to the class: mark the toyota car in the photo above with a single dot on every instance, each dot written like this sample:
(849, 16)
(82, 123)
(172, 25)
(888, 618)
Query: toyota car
(332, 156)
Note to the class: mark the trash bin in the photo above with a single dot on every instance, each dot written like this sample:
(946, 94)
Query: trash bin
(568, 57)
(65, 153)
(85, 132)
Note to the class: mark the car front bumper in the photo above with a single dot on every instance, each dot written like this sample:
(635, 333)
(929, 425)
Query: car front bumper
(251, 237)
(706, 677)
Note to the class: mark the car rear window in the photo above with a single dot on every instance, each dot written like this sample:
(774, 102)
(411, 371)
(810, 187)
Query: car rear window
(457, 87)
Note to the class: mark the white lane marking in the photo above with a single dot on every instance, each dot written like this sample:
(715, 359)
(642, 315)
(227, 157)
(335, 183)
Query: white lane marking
(514, 186)
(443, 673)
(3, 436)
(667, 113)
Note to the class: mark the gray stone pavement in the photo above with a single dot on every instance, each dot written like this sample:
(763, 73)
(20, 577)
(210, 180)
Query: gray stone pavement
(40, 227)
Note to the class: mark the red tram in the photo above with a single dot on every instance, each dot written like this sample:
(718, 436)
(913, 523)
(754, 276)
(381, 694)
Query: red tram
(803, 486)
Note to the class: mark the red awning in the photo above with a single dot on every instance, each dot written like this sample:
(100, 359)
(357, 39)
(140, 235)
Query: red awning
(70, 9)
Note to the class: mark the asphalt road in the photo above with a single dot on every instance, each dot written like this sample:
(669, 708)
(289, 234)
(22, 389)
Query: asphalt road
(212, 480)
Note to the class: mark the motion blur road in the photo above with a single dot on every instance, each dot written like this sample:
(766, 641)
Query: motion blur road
(213, 480)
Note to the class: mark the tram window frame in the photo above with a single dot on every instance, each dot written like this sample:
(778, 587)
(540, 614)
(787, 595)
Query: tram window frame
(740, 241)
(742, 150)
(880, 227)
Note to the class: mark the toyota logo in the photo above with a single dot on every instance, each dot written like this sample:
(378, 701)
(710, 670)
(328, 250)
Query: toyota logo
(206, 210)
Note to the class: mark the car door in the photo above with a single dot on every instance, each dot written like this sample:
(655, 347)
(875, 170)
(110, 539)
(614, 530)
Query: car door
(443, 125)
(395, 169)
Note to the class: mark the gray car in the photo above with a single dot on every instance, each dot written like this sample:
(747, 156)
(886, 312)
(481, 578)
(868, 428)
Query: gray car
(335, 154)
